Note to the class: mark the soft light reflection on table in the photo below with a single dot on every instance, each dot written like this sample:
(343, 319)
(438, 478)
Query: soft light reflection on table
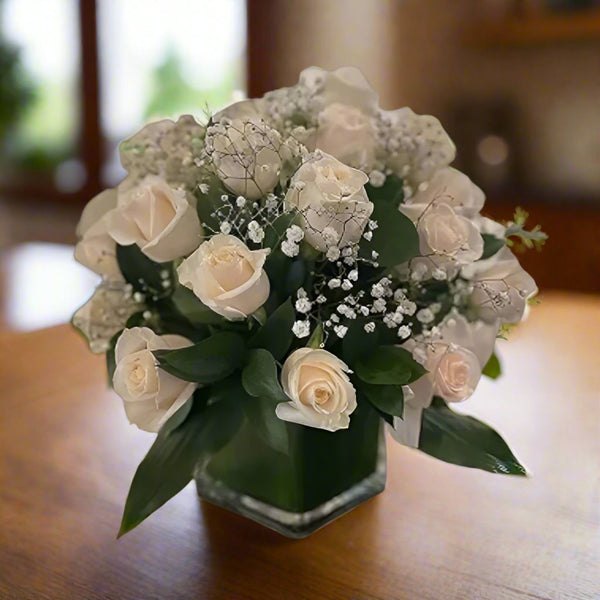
(43, 285)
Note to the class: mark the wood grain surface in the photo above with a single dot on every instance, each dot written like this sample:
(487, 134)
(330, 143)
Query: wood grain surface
(438, 532)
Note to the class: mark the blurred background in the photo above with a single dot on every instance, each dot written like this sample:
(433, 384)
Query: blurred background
(516, 83)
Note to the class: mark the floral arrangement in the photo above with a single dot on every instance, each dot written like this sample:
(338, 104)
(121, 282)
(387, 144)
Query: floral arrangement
(288, 260)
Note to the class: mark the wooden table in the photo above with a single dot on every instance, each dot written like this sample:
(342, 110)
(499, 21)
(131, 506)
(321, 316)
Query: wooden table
(67, 456)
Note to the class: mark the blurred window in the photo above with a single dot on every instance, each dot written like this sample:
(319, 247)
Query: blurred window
(40, 57)
(43, 285)
(163, 58)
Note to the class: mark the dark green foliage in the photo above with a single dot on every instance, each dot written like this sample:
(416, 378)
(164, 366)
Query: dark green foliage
(357, 342)
(264, 392)
(389, 365)
(191, 307)
(208, 361)
(387, 399)
(492, 368)
(395, 239)
(463, 440)
(141, 272)
(276, 334)
(491, 245)
(212, 421)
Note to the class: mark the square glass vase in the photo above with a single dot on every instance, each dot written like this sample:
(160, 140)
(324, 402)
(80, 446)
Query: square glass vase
(324, 475)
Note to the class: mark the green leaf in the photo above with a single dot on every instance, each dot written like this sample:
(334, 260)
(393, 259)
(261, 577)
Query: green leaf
(259, 376)
(181, 415)
(491, 245)
(391, 192)
(139, 270)
(261, 416)
(465, 441)
(166, 318)
(260, 381)
(275, 232)
(316, 338)
(170, 462)
(190, 306)
(357, 342)
(136, 320)
(295, 276)
(395, 239)
(260, 316)
(388, 399)
(492, 368)
(389, 365)
(276, 334)
(210, 202)
(363, 400)
(208, 361)
(534, 238)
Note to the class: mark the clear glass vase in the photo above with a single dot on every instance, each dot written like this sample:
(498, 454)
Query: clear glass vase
(324, 476)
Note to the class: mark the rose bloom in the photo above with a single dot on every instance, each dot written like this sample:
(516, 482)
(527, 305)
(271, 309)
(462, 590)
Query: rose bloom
(346, 85)
(150, 395)
(456, 372)
(320, 391)
(95, 249)
(346, 105)
(249, 109)
(447, 239)
(346, 133)
(156, 217)
(247, 156)
(454, 364)
(501, 287)
(444, 233)
(329, 194)
(451, 187)
(227, 276)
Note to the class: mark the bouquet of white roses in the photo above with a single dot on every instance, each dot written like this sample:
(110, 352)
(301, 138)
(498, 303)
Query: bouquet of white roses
(301, 261)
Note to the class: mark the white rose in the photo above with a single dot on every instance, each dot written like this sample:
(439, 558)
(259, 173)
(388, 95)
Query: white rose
(501, 287)
(447, 239)
(451, 187)
(319, 388)
(345, 105)
(95, 249)
(247, 155)
(156, 217)
(454, 363)
(227, 276)
(346, 133)
(329, 194)
(346, 85)
(150, 395)
(445, 233)
(457, 373)
(251, 108)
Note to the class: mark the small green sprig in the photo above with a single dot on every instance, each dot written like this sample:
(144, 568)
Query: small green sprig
(527, 239)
